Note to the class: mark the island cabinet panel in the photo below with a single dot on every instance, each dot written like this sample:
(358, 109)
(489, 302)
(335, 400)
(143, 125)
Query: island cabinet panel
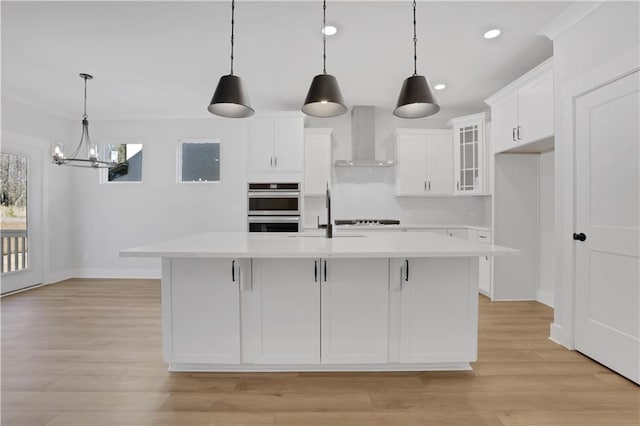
(286, 311)
(438, 310)
(204, 311)
(355, 306)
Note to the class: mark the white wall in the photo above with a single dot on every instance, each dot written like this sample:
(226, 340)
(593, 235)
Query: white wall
(546, 280)
(115, 216)
(607, 32)
(59, 197)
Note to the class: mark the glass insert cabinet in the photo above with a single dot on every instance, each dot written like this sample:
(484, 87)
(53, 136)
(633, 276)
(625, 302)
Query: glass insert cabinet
(468, 151)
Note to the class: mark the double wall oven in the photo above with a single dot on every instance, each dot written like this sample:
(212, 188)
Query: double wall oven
(273, 207)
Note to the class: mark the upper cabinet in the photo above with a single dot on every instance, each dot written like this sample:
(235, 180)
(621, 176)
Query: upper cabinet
(317, 161)
(469, 154)
(522, 112)
(425, 162)
(275, 144)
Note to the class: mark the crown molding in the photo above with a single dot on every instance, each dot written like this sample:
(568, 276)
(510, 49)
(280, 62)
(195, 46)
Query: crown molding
(570, 17)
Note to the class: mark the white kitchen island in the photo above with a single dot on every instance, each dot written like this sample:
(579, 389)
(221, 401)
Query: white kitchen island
(301, 302)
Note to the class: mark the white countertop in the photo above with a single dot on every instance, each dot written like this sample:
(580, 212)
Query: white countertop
(313, 245)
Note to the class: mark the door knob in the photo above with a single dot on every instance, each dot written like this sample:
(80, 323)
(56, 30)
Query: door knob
(579, 237)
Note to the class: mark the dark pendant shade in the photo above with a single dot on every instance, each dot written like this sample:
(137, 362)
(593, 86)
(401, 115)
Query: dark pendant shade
(324, 98)
(416, 99)
(230, 98)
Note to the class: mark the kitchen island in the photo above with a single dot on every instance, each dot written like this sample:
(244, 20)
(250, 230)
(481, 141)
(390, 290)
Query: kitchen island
(302, 302)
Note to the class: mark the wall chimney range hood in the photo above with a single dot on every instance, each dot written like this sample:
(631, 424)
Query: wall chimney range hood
(363, 140)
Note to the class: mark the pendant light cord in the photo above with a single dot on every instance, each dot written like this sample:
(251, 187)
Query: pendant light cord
(84, 115)
(233, 21)
(324, 37)
(415, 41)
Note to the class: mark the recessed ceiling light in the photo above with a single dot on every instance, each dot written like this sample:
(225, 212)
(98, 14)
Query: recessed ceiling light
(440, 86)
(492, 33)
(329, 30)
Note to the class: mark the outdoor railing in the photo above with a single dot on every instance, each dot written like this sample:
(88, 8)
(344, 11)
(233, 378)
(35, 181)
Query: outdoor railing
(13, 250)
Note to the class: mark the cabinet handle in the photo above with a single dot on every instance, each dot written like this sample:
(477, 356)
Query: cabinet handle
(406, 276)
(276, 160)
(325, 271)
(518, 132)
(425, 185)
(429, 186)
(271, 162)
(486, 257)
(513, 134)
(233, 271)
(315, 271)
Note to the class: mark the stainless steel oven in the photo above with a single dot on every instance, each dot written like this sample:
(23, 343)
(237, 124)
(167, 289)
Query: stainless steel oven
(273, 207)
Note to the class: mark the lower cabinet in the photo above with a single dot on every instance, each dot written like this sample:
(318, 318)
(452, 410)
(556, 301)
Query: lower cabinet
(286, 311)
(355, 306)
(430, 330)
(204, 311)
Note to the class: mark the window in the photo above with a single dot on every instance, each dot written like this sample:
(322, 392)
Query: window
(13, 205)
(199, 161)
(129, 159)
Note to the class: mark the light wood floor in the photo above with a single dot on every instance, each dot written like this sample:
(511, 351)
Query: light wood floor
(88, 352)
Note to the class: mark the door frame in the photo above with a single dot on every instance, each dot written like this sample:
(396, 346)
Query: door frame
(34, 149)
(562, 330)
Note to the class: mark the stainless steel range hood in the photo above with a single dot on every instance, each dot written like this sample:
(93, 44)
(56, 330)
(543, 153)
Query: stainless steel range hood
(363, 140)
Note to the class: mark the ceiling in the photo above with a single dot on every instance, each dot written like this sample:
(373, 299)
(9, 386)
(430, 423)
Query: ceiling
(164, 59)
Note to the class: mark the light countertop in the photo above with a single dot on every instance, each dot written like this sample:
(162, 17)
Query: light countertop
(313, 245)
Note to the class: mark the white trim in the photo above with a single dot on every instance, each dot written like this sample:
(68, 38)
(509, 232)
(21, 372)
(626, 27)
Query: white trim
(545, 297)
(526, 78)
(567, 19)
(437, 366)
(557, 335)
(58, 276)
(458, 121)
(605, 73)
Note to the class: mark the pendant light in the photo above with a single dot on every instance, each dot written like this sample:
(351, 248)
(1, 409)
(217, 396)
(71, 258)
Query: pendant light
(416, 99)
(92, 159)
(324, 98)
(230, 98)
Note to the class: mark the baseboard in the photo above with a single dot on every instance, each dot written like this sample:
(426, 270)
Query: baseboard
(545, 297)
(119, 273)
(557, 335)
(57, 276)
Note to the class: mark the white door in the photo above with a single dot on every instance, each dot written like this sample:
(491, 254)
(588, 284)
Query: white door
(289, 141)
(535, 109)
(504, 118)
(21, 192)
(412, 165)
(205, 311)
(260, 145)
(286, 325)
(429, 330)
(440, 164)
(607, 310)
(317, 162)
(355, 306)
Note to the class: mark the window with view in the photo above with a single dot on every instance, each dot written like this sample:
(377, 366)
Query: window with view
(199, 161)
(128, 157)
(13, 205)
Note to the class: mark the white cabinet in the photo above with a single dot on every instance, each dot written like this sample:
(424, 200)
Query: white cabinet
(457, 233)
(204, 316)
(286, 311)
(468, 154)
(275, 144)
(317, 161)
(522, 112)
(425, 162)
(430, 331)
(484, 262)
(355, 305)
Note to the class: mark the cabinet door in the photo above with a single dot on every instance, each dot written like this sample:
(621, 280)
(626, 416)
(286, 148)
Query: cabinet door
(439, 165)
(535, 109)
(469, 157)
(411, 176)
(355, 305)
(430, 331)
(289, 141)
(286, 312)
(504, 117)
(205, 312)
(317, 163)
(260, 146)
(484, 267)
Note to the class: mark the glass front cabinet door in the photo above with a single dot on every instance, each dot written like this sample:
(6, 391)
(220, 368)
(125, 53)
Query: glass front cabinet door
(468, 151)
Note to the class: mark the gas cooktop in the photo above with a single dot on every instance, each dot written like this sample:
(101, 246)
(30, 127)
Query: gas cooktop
(367, 222)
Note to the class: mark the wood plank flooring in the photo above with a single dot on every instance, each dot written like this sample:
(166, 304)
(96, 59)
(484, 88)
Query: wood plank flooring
(88, 352)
